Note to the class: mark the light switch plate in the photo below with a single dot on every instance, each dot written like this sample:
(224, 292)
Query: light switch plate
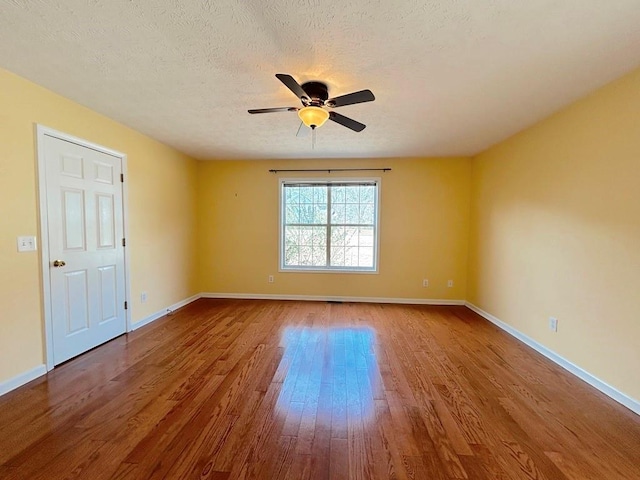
(27, 244)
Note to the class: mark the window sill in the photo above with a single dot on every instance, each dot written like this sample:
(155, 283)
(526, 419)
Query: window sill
(327, 270)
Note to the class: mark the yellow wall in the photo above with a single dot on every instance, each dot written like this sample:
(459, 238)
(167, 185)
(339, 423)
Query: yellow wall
(161, 214)
(424, 210)
(555, 231)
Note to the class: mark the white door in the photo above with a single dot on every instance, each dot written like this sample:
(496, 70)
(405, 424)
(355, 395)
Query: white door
(86, 253)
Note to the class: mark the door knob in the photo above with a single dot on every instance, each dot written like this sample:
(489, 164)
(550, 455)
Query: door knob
(59, 263)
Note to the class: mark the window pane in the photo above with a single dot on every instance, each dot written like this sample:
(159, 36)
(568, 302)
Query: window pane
(291, 255)
(319, 256)
(352, 194)
(351, 257)
(306, 194)
(337, 256)
(337, 236)
(319, 238)
(367, 194)
(293, 213)
(306, 213)
(365, 257)
(291, 236)
(320, 194)
(292, 194)
(306, 235)
(366, 214)
(320, 213)
(306, 258)
(337, 194)
(366, 236)
(351, 236)
(353, 214)
(338, 212)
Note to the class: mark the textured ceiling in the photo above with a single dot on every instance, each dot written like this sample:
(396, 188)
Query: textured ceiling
(451, 77)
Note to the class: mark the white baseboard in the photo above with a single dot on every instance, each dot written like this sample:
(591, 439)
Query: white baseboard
(618, 396)
(163, 312)
(19, 380)
(322, 298)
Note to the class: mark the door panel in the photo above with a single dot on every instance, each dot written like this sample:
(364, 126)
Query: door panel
(106, 218)
(108, 293)
(84, 210)
(73, 214)
(76, 292)
(104, 173)
(72, 166)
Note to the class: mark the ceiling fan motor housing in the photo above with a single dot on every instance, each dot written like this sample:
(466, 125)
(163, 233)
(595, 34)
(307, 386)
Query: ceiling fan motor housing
(318, 93)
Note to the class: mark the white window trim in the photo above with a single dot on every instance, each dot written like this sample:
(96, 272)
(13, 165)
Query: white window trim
(334, 270)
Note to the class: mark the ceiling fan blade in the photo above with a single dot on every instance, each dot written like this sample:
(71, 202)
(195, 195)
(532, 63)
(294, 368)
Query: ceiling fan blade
(269, 110)
(351, 98)
(347, 122)
(292, 85)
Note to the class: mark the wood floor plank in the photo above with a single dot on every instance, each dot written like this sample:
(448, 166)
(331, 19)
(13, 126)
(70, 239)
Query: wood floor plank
(239, 389)
(390, 443)
(339, 467)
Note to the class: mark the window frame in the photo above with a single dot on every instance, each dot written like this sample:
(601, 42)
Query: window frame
(328, 269)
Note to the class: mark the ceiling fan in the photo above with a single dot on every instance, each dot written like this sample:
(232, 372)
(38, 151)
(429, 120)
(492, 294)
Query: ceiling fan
(315, 101)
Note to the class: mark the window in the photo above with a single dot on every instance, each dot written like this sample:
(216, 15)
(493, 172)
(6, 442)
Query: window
(329, 225)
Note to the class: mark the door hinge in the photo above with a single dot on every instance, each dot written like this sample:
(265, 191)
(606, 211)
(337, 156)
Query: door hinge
(122, 177)
(126, 305)
(124, 242)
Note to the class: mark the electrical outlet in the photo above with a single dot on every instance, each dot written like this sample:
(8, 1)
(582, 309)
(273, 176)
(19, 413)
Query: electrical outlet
(425, 283)
(553, 324)
(270, 278)
(450, 283)
(143, 297)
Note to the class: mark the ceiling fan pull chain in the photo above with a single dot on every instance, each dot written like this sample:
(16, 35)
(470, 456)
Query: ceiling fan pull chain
(313, 138)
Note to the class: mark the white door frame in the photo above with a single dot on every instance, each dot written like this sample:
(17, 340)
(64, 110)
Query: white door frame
(41, 133)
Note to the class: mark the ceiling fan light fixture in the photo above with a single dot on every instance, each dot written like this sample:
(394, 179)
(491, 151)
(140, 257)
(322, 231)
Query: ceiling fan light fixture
(313, 117)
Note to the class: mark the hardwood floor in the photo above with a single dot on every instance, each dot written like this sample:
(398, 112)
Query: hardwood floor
(228, 389)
